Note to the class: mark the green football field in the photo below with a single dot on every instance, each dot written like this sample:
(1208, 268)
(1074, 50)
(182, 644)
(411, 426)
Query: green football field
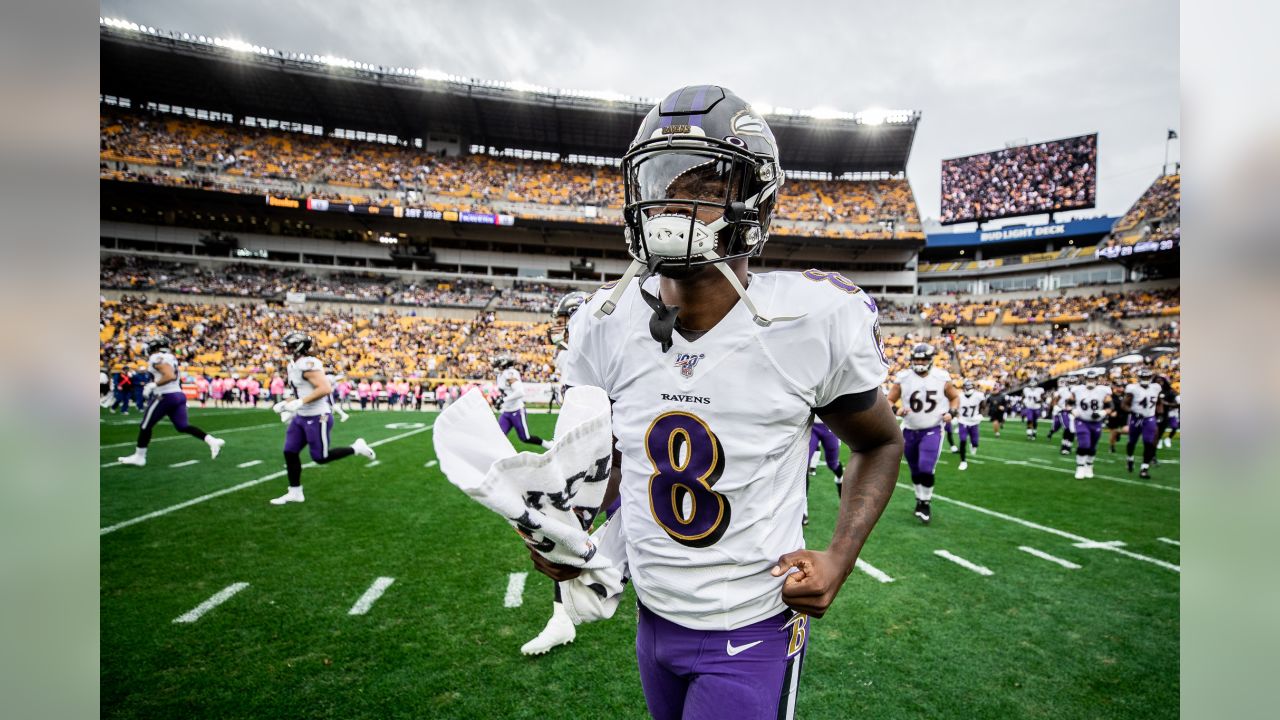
(1065, 604)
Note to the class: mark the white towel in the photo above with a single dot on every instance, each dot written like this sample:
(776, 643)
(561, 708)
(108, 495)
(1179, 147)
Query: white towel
(548, 498)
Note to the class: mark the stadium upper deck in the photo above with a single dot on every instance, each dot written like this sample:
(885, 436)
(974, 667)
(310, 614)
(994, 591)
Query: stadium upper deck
(241, 80)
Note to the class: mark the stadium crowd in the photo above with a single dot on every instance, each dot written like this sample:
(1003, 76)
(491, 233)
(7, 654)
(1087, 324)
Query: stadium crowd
(1163, 199)
(1066, 309)
(1024, 180)
(232, 157)
(139, 274)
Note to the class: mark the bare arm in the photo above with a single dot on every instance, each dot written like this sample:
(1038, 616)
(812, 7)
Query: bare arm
(321, 384)
(167, 373)
(953, 396)
(873, 436)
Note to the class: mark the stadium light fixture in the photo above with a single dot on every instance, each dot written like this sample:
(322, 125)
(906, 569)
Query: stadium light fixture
(432, 74)
(823, 112)
(872, 116)
(763, 108)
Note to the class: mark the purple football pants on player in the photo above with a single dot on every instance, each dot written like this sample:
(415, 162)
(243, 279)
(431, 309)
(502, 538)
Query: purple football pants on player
(168, 405)
(922, 449)
(1031, 414)
(691, 675)
(1146, 427)
(310, 431)
(1088, 432)
(515, 419)
(969, 433)
(821, 434)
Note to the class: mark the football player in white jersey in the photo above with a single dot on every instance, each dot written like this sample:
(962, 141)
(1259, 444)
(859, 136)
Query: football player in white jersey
(165, 399)
(1090, 408)
(1063, 402)
(715, 375)
(1032, 397)
(928, 400)
(560, 630)
(511, 402)
(1143, 403)
(969, 417)
(310, 417)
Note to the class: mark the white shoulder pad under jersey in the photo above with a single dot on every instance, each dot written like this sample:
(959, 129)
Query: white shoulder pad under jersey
(714, 434)
(924, 397)
(304, 387)
(164, 358)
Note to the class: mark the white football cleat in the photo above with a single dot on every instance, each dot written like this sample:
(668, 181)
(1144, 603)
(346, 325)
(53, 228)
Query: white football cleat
(559, 631)
(964, 465)
(955, 449)
(1088, 471)
(974, 450)
(134, 459)
(362, 448)
(215, 445)
(292, 495)
(1080, 472)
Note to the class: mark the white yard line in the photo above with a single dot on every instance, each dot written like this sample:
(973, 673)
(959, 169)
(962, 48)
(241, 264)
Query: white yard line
(185, 463)
(1043, 465)
(515, 590)
(218, 598)
(371, 596)
(249, 464)
(869, 569)
(375, 463)
(216, 433)
(1046, 556)
(110, 464)
(1171, 542)
(234, 488)
(962, 562)
(1054, 531)
(432, 463)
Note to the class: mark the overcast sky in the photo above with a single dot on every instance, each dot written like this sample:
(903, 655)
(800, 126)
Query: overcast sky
(983, 73)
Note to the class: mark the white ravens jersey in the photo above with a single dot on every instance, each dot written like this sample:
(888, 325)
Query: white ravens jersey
(1060, 398)
(924, 397)
(304, 387)
(1091, 402)
(1143, 399)
(512, 390)
(164, 358)
(714, 434)
(970, 401)
(1031, 397)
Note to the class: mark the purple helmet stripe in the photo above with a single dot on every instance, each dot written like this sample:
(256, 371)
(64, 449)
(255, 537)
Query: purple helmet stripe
(697, 103)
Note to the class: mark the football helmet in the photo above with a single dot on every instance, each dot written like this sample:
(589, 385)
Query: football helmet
(700, 183)
(565, 308)
(969, 386)
(297, 343)
(502, 362)
(156, 343)
(1091, 377)
(1145, 376)
(922, 358)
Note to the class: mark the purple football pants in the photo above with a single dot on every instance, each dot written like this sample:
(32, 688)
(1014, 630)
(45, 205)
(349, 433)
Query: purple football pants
(969, 433)
(751, 673)
(1087, 435)
(1031, 414)
(168, 405)
(312, 432)
(515, 419)
(922, 449)
(821, 434)
(1146, 427)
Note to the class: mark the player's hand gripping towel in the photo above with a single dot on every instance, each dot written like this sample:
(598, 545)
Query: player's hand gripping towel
(548, 498)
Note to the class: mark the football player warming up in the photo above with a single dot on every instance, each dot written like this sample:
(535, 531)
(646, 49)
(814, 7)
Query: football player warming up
(970, 408)
(511, 402)
(1032, 395)
(715, 375)
(1063, 403)
(928, 400)
(559, 629)
(1091, 406)
(309, 416)
(1142, 401)
(165, 399)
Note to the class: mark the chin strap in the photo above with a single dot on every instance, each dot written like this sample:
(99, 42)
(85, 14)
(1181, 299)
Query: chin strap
(742, 293)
